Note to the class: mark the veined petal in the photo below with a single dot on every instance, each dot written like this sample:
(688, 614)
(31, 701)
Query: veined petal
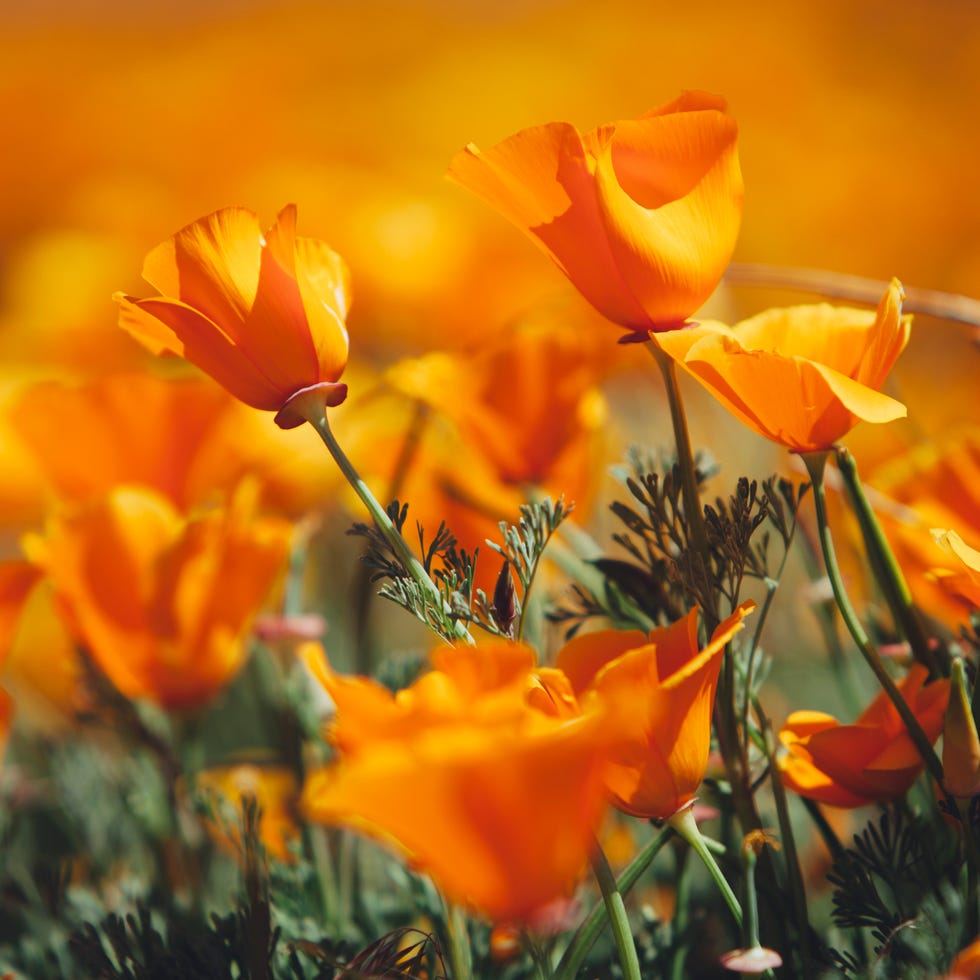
(206, 345)
(542, 180)
(212, 265)
(582, 657)
(324, 286)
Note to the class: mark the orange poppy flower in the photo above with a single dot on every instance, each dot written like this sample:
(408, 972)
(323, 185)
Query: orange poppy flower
(802, 376)
(641, 215)
(263, 315)
(966, 966)
(659, 691)
(275, 790)
(163, 603)
(870, 761)
(496, 800)
(963, 581)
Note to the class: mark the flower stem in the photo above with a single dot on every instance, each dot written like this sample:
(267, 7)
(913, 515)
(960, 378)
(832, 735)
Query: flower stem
(886, 569)
(460, 954)
(686, 827)
(685, 458)
(590, 929)
(616, 911)
(815, 464)
(318, 419)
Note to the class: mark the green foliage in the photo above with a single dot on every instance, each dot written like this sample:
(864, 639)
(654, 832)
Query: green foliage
(453, 570)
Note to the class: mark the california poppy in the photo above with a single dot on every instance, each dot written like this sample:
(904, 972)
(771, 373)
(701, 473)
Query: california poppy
(263, 315)
(161, 602)
(870, 761)
(496, 800)
(659, 691)
(802, 376)
(641, 215)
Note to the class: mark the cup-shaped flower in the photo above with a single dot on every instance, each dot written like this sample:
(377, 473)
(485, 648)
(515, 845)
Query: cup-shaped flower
(463, 775)
(963, 580)
(161, 602)
(263, 315)
(803, 376)
(659, 691)
(872, 760)
(641, 215)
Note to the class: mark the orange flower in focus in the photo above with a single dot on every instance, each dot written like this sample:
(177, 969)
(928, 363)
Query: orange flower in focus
(263, 315)
(275, 790)
(497, 801)
(868, 762)
(641, 215)
(659, 692)
(802, 376)
(161, 602)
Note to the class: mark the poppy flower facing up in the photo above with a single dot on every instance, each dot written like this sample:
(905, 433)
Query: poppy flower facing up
(872, 760)
(659, 691)
(641, 215)
(803, 376)
(162, 603)
(263, 315)
(497, 801)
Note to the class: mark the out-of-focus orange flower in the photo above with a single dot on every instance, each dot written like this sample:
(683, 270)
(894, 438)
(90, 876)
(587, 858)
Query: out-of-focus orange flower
(659, 691)
(276, 791)
(870, 761)
(39, 663)
(186, 438)
(497, 800)
(966, 966)
(523, 415)
(162, 602)
(964, 581)
(263, 315)
(641, 215)
(802, 376)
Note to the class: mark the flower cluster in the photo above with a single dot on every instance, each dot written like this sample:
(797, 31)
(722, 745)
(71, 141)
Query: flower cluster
(182, 579)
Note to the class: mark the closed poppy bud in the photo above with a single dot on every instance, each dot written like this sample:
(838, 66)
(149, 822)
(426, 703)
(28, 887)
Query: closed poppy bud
(802, 376)
(263, 315)
(961, 746)
(641, 215)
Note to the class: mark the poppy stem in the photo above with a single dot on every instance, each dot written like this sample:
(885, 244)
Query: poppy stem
(685, 458)
(886, 569)
(816, 463)
(686, 827)
(591, 928)
(318, 419)
(460, 955)
(616, 911)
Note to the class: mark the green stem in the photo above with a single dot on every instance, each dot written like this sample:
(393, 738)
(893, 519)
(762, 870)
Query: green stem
(685, 458)
(460, 954)
(616, 911)
(591, 928)
(682, 907)
(796, 887)
(886, 568)
(318, 419)
(816, 463)
(686, 827)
